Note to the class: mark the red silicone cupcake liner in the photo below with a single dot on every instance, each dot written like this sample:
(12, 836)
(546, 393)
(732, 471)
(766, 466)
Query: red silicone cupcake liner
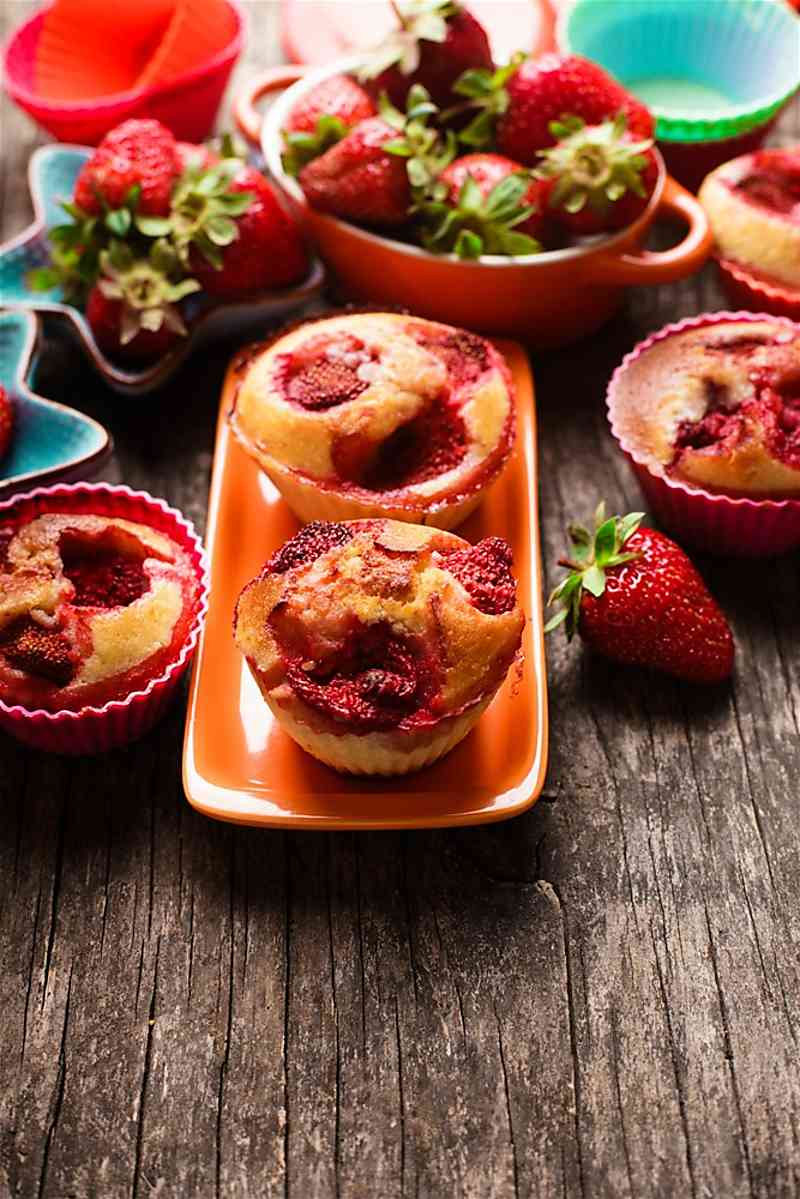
(94, 730)
(758, 295)
(718, 524)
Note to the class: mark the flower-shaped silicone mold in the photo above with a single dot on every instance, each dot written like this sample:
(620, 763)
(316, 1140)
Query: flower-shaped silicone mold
(51, 174)
(49, 441)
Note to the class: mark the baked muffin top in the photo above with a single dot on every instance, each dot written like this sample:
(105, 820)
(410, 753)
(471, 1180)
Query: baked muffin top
(717, 406)
(379, 404)
(753, 204)
(379, 624)
(89, 607)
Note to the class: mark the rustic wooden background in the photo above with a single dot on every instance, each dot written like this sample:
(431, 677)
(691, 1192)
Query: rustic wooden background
(601, 998)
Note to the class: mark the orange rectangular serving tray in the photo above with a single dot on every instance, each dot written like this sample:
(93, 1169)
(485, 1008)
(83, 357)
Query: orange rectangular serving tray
(239, 765)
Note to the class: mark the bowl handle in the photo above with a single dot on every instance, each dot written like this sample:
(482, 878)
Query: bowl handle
(274, 79)
(664, 266)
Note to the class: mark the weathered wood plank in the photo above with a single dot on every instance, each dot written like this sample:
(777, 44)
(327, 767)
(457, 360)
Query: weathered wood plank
(598, 999)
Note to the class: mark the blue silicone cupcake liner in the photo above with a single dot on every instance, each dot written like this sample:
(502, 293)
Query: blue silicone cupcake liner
(708, 69)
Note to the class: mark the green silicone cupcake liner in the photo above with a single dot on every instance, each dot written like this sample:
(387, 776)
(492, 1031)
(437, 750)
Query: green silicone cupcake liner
(708, 69)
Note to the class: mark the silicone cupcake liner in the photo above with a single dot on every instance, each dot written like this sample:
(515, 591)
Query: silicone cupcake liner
(93, 730)
(187, 105)
(117, 42)
(197, 31)
(746, 290)
(718, 524)
(736, 62)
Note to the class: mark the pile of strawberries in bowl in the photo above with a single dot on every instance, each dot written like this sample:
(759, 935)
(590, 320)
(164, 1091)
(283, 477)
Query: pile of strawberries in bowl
(433, 143)
(154, 223)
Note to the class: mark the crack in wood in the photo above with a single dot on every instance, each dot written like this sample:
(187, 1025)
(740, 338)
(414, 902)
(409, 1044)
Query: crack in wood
(58, 1099)
(507, 1093)
(145, 1082)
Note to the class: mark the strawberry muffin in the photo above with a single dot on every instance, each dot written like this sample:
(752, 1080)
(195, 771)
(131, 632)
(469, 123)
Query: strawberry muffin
(91, 609)
(709, 413)
(378, 644)
(377, 414)
(753, 205)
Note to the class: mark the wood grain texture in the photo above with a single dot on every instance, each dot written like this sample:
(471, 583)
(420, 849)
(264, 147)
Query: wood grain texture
(600, 999)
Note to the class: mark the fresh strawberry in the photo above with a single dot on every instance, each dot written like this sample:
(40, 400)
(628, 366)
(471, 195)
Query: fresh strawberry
(544, 90)
(322, 118)
(6, 421)
(375, 173)
(486, 204)
(132, 309)
(234, 233)
(634, 597)
(138, 161)
(435, 42)
(600, 178)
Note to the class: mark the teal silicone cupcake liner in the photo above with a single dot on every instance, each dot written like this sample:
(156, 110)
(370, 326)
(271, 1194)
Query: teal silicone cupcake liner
(708, 69)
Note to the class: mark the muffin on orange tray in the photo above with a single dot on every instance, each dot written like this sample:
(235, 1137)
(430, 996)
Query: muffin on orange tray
(377, 414)
(91, 608)
(753, 205)
(378, 644)
(709, 413)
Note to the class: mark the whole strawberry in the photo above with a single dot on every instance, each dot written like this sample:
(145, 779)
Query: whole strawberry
(231, 232)
(6, 421)
(634, 597)
(600, 178)
(138, 160)
(435, 42)
(374, 174)
(487, 204)
(323, 117)
(547, 89)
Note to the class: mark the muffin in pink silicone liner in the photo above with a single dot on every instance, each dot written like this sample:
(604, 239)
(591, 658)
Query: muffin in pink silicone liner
(102, 595)
(708, 413)
(753, 206)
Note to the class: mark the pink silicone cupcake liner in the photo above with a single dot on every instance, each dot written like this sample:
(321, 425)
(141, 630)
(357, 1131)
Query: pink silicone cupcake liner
(748, 291)
(95, 730)
(718, 524)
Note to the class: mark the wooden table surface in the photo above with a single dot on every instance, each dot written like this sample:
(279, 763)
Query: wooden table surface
(601, 998)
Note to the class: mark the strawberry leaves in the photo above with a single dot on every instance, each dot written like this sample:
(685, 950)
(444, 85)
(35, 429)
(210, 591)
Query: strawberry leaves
(485, 99)
(475, 224)
(427, 152)
(591, 555)
(594, 165)
(302, 147)
(418, 20)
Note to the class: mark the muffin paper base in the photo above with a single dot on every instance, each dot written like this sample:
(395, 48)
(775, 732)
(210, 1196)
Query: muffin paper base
(714, 523)
(380, 753)
(95, 730)
(310, 502)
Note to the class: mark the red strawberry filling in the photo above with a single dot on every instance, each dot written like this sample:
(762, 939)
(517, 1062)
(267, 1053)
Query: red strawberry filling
(724, 426)
(484, 570)
(465, 355)
(106, 580)
(324, 372)
(40, 651)
(435, 442)
(313, 540)
(774, 184)
(378, 681)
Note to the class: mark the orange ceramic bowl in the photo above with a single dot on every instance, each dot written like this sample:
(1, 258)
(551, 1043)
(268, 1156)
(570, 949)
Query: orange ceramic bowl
(544, 299)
